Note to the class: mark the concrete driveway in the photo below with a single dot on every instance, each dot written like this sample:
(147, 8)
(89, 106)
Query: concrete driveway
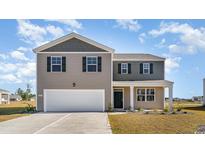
(58, 123)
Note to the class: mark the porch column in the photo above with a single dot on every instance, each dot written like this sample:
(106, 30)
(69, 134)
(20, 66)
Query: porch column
(132, 98)
(8, 99)
(170, 98)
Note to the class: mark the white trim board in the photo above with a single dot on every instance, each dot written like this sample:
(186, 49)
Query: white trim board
(148, 83)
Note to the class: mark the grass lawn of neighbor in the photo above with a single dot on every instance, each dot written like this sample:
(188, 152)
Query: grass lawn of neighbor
(13, 110)
(140, 123)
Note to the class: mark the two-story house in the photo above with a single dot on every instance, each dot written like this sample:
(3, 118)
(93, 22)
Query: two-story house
(75, 73)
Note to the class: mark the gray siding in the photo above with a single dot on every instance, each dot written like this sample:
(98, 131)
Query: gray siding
(158, 71)
(74, 45)
(65, 80)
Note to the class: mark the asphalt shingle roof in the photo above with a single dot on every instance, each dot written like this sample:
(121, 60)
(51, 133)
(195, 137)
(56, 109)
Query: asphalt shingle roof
(137, 56)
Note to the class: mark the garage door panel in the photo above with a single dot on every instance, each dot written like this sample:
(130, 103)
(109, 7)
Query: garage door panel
(73, 100)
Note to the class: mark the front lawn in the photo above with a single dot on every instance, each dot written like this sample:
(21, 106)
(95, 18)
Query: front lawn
(13, 110)
(135, 123)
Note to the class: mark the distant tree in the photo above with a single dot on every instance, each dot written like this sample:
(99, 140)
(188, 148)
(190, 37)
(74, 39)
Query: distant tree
(19, 91)
(25, 95)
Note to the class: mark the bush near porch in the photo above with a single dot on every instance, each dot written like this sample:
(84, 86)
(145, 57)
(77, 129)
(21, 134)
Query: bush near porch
(135, 123)
(14, 110)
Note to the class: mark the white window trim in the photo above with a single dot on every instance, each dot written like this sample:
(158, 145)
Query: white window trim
(124, 68)
(146, 95)
(91, 64)
(55, 64)
(146, 68)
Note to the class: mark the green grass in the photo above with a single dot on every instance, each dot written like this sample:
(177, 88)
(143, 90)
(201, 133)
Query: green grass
(13, 110)
(135, 123)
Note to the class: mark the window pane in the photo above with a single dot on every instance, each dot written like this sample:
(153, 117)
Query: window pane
(92, 60)
(56, 68)
(140, 98)
(124, 65)
(150, 98)
(124, 71)
(56, 60)
(140, 91)
(146, 71)
(150, 91)
(91, 68)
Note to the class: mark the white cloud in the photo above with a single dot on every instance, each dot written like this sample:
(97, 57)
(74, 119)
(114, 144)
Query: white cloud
(172, 63)
(17, 72)
(161, 44)
(141, 38)
(28, 70)
(191, 39)
(24, 49)
(72, 23)
(10, 78)
(31, 33)
(55, 31)
(18, 55)
(131, 25)
(3, 56)
(7, 67)
(174, 48)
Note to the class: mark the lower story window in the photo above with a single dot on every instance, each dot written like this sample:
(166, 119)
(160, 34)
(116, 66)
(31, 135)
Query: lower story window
(140, 94)
(150, 94)
(145, 95)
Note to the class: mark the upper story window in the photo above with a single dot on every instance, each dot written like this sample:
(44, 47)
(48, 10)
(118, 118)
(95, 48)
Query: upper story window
(146, 68)
(124, 68)
(56, 64)
(91, 64)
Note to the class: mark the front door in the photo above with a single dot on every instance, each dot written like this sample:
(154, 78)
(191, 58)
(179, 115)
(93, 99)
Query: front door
(118, 99)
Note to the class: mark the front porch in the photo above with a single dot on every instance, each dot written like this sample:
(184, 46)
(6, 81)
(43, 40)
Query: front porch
(131, 95)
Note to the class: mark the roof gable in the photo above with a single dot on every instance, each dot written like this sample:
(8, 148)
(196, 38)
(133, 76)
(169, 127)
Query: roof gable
(73, 42)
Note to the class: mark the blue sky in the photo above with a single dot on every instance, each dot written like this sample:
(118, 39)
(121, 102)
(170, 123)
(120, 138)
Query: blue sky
(182, 42)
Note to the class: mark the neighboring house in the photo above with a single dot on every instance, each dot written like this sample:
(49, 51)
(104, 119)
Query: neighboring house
(4, 96)
(197, 98)
(15, 97)
(75, 73)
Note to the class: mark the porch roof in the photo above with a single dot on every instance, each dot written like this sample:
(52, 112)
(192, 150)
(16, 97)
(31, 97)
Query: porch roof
(147, 83)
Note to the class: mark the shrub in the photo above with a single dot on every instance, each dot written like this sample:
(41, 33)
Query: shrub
(139, 109)
(30, 108)
(173, 112)
(179, 109)
(165, 110)
(110, 109)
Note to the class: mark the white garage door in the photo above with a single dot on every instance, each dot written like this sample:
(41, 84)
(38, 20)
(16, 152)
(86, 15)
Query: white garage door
(74, 100)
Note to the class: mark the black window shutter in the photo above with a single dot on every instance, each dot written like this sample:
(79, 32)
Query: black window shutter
(63, 64)
(151, 68)
(119, 68)
(99, 64)
(129, 68)
(84, 64)
(48, 64)
(141, 68)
